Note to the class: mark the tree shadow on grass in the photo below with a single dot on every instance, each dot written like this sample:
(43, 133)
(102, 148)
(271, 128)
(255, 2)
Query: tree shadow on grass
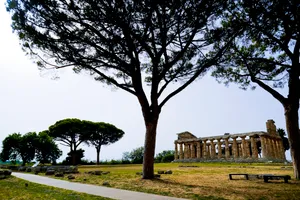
(193, 196)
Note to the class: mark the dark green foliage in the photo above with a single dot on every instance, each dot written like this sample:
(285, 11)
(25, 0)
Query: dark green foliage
(10, 149)
(135, 156)
(285, 140)
(71, 133)
(29, 146)
(74, 157)
(101, 133)
(165, 156)
(16, 146)
(261, 53)
(46, 149)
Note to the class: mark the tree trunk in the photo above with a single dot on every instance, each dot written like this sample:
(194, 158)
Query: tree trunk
(292, 126)
(73, 156)
(149, 147)
(98, 154)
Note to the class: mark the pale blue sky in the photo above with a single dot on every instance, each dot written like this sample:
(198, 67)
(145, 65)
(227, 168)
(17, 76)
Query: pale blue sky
(31, 101)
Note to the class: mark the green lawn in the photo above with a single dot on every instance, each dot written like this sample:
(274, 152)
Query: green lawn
(14, 188)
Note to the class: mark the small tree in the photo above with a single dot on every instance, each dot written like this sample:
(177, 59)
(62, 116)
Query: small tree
(135, 156)
(102, 134)
(165, 156)
(78, 154)
(46, 149)
(71, 133)
(16, 146)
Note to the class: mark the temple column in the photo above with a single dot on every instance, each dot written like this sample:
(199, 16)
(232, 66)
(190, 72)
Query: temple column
(247, 149)
(227, 153)
(198, 150)
(185, 151)
(204, 149)
(277, 153)
(268, 148)
(240, 150)
(189, 150)
(282, 151)
(271, 147)
(263, 147)
(280, 148)
(176, 152)
(243, 146)
(208, 150)
(254, 147)
(275, 149)
(234, 148)
(213, 149)
(219, 149)
(192, 150)
(180, 151)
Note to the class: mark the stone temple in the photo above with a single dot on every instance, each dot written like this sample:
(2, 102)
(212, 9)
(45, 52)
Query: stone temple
(251, 146)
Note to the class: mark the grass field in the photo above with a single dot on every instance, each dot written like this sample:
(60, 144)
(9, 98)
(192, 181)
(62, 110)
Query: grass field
(203, 181)
(14, 188)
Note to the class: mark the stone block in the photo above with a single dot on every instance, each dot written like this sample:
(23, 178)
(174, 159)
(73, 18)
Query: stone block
(22, 169)
(50, 172)
(107, 172)
(7, 172)
(28, 169)
(105, 183)
(169, 172)
(98, 172)
(160, 172)
(156, 175)
(71, 177)
(59, 174)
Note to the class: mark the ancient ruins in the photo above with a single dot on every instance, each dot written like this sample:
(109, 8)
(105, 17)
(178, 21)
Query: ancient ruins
(249, 146)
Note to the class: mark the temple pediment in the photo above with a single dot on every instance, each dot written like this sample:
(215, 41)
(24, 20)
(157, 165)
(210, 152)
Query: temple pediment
(185, 135)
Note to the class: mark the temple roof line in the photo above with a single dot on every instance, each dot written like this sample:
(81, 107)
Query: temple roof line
(188, 137)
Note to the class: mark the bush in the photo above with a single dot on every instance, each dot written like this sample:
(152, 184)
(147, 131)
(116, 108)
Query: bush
(165, 156)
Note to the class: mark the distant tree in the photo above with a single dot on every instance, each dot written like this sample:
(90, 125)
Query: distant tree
(165, 156)
(266, 53)
(128, 44)
(17, 146)
(78, 154)
(135, 156)
(71, 133)
(101, 133)
(126, 157)
(46, 149)
(285, 140)
(10, 147)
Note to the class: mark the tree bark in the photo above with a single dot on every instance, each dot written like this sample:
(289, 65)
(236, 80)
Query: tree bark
(149, 149)
(98, 154)
(292, 127)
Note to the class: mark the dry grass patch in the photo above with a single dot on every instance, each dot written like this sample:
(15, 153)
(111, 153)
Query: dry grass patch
(203, 181)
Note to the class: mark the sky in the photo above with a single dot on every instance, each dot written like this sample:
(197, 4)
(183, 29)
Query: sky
(32, 101)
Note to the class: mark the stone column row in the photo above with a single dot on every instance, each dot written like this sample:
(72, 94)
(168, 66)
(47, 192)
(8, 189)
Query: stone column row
(243, 149)
(272, 148)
